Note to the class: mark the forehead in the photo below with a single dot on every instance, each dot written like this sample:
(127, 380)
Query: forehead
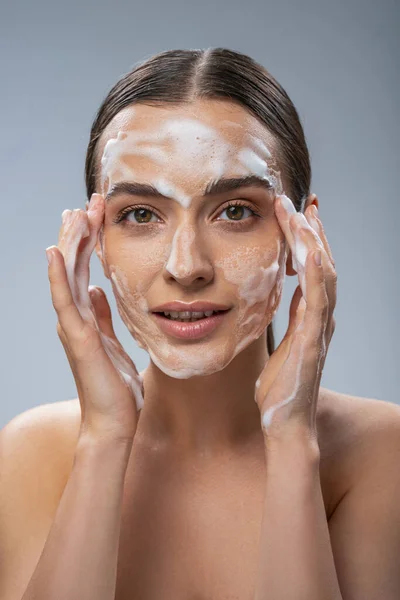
(227, 119)
(206, 133)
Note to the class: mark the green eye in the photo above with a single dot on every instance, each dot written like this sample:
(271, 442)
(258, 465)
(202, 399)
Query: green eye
(142, 215)
(235, 211)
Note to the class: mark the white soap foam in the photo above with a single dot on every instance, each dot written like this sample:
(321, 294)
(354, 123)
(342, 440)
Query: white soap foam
(257, 280)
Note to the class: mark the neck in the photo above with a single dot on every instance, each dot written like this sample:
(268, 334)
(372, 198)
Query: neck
(204, 415)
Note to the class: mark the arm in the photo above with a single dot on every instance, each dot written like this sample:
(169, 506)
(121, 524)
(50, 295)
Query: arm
(303, 556)
(365, 527)
(295, 560)
(79, 559)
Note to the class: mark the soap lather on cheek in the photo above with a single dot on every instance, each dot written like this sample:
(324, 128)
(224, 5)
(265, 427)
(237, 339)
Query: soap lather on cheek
(194, 147)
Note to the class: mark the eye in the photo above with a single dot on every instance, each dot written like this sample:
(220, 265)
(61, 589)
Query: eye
(142, 215)
(236, 209)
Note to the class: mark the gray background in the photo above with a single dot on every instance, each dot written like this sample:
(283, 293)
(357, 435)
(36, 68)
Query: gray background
(339, 62)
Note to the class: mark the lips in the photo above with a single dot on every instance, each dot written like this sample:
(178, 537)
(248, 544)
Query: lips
(190, 330)
(197, 306)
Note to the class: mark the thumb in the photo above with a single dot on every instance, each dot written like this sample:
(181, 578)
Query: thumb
(102, 310)
(295, 312)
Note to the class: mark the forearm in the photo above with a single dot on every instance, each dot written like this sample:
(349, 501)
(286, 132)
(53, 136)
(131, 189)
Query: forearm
(79, 559)
(296, 560)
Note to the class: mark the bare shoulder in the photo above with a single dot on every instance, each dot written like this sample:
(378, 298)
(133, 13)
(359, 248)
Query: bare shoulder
(55, 421)
(364, 526)
(36, 457)
(347, 421)
(39, 443)
(354, 433)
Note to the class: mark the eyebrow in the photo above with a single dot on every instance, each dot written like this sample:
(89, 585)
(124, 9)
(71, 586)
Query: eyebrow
(219, 186)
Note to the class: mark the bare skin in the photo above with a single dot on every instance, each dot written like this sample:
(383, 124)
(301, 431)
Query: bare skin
(192, 524)
(193, 493)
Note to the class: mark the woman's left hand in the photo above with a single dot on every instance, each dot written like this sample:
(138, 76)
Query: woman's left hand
(288, 387)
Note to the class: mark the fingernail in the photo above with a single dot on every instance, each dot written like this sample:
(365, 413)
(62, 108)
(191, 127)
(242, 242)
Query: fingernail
(315, 210)
(287, 204)
(49, 254)
(317, 258)
(94, 201)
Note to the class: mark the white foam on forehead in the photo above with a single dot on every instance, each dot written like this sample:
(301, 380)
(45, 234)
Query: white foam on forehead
(260, 146)
(253, 162)
(193, 140)
(172, 191)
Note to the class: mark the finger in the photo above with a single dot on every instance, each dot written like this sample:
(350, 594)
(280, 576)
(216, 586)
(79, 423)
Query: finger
(69, 317)
(316, 315)
(112, 345)
(71, 361)
(102, 310)
(329, 269)
(288, 217)
(78, 236)
(312, 242)
(95, 216)
(73, 232)
(304, 362)
(294, 312)
(284, 208)
(315, 222)
(268, 375)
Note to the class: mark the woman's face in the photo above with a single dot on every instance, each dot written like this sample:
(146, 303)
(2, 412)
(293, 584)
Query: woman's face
(184, 245)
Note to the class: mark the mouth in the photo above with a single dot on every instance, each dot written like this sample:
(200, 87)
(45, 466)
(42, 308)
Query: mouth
(189, 316)
(189, 325)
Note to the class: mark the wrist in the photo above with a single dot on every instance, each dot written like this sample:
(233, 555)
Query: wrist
(293, 439)
(90, 445)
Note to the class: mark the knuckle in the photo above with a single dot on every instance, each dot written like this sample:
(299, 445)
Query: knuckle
(324, 308)
(63, 306)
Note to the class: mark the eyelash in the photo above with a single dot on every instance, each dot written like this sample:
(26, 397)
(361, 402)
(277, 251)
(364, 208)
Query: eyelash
(123, 214)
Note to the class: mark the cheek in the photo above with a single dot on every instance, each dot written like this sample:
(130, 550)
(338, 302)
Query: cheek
(134, 261)
(254, 271)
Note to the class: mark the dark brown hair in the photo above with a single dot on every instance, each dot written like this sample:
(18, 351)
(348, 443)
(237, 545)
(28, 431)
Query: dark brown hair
(179, 76)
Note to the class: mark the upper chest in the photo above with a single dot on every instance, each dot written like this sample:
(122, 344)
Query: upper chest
(188, 538)
(192, 532)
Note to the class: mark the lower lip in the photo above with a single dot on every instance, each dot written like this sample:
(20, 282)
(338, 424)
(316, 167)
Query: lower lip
(190, 330)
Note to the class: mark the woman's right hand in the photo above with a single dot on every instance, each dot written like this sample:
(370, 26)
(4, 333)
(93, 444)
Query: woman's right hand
(109, 386)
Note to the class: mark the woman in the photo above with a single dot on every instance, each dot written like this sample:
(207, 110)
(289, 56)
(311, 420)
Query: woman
(223, 469)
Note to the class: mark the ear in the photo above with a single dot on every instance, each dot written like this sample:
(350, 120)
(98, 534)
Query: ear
(311, 199)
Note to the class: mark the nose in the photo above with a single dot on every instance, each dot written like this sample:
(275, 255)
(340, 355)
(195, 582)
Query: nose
(188, 263)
